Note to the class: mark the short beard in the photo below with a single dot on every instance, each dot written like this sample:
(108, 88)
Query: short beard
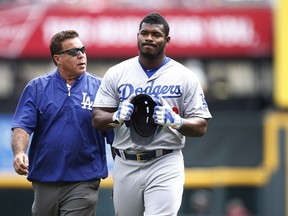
(151, 56)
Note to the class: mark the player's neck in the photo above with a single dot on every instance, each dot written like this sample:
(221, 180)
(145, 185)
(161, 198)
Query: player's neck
(150, 64)
(151, 72)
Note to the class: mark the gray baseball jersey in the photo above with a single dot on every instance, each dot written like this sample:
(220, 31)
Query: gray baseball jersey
(178, 86)
(153, 187)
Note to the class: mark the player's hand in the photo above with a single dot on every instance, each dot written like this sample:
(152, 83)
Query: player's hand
(21, 164)
(164, 115)
(124, 111)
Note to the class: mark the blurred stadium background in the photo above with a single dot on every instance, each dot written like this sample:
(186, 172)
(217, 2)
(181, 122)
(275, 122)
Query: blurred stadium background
(238, 48)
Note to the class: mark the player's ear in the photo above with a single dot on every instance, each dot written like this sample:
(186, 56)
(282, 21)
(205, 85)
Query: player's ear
(168, 39)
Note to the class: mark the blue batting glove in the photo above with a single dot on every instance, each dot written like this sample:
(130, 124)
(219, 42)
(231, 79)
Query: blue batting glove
(124, 111)
(165, 116)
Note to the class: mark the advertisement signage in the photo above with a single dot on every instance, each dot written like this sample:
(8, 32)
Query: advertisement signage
(25, 32)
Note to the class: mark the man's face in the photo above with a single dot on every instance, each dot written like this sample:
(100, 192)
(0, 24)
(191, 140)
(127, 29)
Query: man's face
(72, 65)
(152, 40)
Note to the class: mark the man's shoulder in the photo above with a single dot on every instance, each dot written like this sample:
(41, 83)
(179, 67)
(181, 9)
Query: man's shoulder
(181, 67)
(92, 80)
(43, 78)
(93, 76)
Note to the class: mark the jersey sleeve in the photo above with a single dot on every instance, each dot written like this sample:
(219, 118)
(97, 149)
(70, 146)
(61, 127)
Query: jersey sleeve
(25, 116)
(195, 103)
(106, 95)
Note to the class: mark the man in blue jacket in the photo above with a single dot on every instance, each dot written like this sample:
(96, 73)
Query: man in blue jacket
(67, 155)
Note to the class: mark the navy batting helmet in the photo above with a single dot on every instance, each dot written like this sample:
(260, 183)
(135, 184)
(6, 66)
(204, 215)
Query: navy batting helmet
(143, 129)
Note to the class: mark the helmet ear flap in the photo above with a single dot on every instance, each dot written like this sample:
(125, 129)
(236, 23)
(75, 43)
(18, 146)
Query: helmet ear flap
(142, 122)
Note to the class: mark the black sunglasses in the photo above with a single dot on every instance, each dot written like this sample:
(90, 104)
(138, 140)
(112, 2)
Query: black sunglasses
(74, 51)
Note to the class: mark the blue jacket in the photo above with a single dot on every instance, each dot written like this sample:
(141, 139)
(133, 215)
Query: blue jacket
(64, 145)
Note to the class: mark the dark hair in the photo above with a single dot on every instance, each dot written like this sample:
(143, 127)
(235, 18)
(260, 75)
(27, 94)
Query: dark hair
(57, 40)
(156, 18)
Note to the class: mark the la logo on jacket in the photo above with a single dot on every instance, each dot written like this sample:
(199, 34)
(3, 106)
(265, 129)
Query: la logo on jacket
(86, 102)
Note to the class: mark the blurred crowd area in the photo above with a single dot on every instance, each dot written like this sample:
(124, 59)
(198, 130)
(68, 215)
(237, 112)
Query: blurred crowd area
(229, 84)
(146, 4)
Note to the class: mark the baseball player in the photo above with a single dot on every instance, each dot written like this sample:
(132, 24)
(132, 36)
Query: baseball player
(149, 178)
(67, 155)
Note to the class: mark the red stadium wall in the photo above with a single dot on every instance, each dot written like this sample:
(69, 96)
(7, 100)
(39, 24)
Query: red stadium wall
(25, 31)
